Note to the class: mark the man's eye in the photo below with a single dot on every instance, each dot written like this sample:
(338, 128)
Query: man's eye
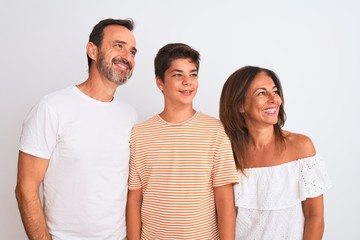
(133, 53)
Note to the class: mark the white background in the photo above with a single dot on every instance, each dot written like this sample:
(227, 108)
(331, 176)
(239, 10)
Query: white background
(313, 46)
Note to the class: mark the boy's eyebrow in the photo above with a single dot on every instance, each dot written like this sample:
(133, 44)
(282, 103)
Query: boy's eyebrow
(178, 70)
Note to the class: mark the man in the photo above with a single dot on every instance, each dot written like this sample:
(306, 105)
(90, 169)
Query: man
(182, 169)
(76, 142)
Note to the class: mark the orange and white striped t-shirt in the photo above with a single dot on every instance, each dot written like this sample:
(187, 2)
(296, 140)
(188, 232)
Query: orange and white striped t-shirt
(177, 167)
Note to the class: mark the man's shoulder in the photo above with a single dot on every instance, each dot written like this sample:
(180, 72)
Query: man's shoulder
(58, 94)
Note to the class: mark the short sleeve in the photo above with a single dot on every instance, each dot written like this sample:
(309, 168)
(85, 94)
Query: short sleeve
(39, 131)
(134, 179)
(224, 171)
(314, 178)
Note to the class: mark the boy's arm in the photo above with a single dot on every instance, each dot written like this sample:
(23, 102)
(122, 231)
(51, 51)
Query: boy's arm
(225, 208)
(133, 214)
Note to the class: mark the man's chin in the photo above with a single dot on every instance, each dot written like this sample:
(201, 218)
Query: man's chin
(120, 82)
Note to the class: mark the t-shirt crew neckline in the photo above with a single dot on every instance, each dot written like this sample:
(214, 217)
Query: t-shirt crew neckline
(180, 123)
(90, 99)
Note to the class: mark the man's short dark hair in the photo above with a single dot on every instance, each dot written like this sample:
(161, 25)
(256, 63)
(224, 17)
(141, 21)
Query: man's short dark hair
(96, 35)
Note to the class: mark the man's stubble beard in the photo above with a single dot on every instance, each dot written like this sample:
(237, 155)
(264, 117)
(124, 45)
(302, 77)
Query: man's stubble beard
(110, 73)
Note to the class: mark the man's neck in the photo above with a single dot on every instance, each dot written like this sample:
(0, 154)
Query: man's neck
(100, 89)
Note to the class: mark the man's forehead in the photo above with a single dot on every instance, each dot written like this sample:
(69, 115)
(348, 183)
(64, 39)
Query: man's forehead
(120, 33)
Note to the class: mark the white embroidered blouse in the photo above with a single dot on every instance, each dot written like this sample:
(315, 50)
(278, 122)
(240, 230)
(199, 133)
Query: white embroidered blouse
(268, 199)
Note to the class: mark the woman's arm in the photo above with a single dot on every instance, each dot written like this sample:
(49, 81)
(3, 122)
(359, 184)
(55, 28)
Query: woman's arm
(313, 209)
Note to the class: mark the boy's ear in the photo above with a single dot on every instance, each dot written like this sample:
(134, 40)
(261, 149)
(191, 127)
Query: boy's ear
(92, 50)
(159, 83)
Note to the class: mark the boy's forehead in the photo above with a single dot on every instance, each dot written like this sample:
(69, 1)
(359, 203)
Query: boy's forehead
(182, 62)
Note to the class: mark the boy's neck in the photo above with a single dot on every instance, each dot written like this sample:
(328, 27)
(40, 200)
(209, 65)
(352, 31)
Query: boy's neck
(176, 115)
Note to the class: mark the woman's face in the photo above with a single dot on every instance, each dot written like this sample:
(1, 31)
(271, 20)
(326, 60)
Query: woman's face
(262, 102)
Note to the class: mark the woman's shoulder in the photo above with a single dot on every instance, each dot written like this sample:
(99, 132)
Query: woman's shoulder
(299, 145)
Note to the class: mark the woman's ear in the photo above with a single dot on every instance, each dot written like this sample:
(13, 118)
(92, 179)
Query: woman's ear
(241, 109)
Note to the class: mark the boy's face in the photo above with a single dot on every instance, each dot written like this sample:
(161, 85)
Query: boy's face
(180, 83)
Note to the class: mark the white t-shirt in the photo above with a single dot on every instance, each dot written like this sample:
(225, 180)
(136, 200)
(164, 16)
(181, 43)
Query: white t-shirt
(87, 142)
(268, 199)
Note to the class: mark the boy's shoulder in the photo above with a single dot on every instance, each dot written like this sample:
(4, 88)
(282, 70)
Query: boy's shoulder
(208, 119)
(146, 123)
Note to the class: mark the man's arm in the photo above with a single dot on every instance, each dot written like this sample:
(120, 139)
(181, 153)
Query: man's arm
(133, 214)
(225, 208)
(31, 172)
(313, 209)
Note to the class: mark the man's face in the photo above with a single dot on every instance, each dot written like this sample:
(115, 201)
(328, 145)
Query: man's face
(116, 55)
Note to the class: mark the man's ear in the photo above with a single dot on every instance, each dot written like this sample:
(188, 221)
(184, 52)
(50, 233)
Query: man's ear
(160, 83)
(92, 50)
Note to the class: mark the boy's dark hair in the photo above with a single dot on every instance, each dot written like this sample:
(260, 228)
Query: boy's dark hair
(171, 52)
(96, 35)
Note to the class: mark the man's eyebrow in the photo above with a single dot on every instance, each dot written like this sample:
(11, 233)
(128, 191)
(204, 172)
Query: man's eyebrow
(120, 41)
(123, 42)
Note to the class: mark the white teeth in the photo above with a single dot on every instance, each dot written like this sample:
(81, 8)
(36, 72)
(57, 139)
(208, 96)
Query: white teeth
(270, 110)
(121, 66)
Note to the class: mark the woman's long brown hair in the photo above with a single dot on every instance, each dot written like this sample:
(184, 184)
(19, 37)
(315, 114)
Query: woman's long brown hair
(232, 99)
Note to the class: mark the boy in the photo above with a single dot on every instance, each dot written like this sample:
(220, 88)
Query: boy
(181, 164)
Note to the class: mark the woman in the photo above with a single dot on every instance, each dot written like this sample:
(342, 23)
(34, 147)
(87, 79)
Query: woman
(282, 180)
